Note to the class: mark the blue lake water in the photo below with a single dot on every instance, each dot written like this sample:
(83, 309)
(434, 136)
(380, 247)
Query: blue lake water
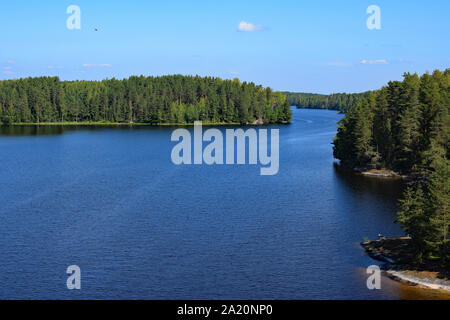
(111, 201)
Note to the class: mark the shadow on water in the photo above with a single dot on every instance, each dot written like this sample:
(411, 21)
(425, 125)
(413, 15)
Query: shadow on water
(46, 130)
(372, 202)
(387, 187)
(35, 130)
(30, 130)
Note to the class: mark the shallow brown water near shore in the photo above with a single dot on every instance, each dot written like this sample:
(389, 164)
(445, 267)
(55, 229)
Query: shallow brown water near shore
(406, 292)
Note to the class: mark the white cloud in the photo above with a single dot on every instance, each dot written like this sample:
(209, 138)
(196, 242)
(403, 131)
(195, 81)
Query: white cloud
(379, 61)
(104, 65)
(234, 72)
(248, 27)
(7, 68)
(8, 72)
(55, 67)
(11, 62)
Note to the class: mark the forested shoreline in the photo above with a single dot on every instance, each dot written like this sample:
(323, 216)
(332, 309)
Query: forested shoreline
(337, 101)
(151, 100)
(405, 127)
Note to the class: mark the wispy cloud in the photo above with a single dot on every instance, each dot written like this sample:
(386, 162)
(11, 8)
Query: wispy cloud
(55, 67)
(104, 65)
(8, 70)
(11, 62)
(401, 61)
(379, 61)
(248, 27)
(339, 64)
(234, 73)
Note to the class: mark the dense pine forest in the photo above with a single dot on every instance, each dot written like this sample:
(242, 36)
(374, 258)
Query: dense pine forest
(338, 101)
(155, 100)
(405, 127)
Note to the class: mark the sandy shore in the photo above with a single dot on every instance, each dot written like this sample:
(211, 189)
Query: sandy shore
(415, 278)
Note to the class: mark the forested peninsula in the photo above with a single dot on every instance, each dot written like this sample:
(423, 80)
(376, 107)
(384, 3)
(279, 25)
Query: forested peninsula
(405, 127)
(338, 101)
(150, 100)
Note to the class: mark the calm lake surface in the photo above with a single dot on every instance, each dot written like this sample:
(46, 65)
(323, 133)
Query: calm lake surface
(110, 201)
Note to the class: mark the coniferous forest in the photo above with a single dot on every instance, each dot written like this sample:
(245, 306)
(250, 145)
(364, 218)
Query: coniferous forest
(337, 101)
(405, 127)
(154, 100)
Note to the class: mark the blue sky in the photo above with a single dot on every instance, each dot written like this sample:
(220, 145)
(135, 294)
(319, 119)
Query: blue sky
(308, 46)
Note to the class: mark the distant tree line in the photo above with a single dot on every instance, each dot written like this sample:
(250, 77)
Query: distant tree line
(405, 127)
(337, 101)
(155, 100)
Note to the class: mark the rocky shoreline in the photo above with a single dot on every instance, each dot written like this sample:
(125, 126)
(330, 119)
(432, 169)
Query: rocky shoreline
(380, 173)
(392, 252)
